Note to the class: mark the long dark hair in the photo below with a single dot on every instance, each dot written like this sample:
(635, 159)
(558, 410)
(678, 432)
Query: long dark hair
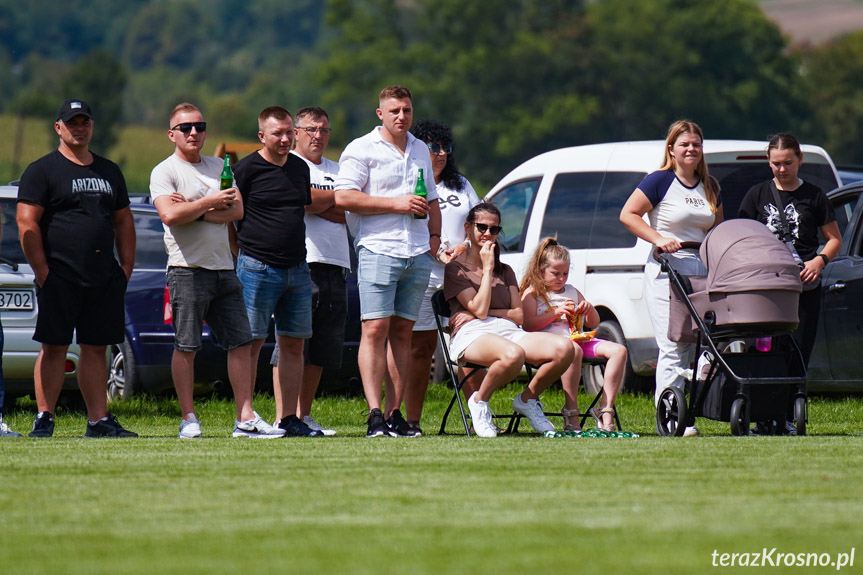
(431, 131)
(488, 208)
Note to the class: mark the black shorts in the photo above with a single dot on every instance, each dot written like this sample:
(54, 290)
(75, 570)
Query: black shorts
(329, 314)
(95, 313)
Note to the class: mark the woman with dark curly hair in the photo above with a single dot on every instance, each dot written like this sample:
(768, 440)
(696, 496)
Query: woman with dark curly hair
(457, 197)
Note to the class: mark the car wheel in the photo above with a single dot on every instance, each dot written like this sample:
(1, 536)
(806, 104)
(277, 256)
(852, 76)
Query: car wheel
(123, 380)
(591, 375)
(739, 417)
(671, 412)
(610, 330)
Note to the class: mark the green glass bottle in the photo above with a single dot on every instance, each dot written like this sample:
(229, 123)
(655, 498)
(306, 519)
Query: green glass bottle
(227, 177)
(420, 191)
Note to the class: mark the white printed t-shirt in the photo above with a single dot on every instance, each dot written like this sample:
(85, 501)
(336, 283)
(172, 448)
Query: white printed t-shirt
(197, 244)
(375, 167)
(326, 241)
(679, 211)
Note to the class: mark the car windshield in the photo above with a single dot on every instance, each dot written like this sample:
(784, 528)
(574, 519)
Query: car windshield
(10, 246)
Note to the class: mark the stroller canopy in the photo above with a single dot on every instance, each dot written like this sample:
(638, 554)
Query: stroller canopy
(743, 255)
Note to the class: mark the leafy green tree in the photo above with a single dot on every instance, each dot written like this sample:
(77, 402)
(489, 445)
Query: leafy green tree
(721, 64)
(99, 79)
(833, 73)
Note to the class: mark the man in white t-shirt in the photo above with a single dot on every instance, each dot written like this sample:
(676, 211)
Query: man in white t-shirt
(202, 283)
(329, 258)
(395, 234)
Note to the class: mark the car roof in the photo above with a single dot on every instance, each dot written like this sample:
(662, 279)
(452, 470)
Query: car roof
(640, 156)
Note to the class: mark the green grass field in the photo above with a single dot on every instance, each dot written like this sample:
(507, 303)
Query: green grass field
(515, 504)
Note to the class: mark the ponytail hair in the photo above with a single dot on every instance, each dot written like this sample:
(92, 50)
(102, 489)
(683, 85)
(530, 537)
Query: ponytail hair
(547, 252)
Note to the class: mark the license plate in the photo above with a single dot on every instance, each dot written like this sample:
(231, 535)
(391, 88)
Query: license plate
(17, 299)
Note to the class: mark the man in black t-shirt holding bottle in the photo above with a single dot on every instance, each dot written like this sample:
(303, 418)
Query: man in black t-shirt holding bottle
(73, 208)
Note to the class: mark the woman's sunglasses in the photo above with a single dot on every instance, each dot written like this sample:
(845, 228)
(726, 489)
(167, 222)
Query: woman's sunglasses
(186, 127)
(437, 148)
(483, 228)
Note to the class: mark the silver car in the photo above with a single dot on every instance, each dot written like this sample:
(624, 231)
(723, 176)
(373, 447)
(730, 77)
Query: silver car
(18, 308)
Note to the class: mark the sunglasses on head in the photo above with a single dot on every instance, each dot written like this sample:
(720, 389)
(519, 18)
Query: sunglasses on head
(437, 148)
(483, 228)
(186, 127)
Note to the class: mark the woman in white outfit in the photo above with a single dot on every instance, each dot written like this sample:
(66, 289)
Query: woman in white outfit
(682, 204)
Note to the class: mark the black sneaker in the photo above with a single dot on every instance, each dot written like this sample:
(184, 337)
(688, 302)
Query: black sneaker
(377, 425)
(398, 426)
(109, 427)
(43, 425)
(295, 427)
(414, 428)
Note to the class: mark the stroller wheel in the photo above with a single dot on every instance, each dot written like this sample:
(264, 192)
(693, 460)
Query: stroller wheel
(800, 415)
(739, 417)
(671, 412)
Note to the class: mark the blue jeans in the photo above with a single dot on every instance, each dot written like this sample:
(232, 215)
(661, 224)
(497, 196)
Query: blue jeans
(283, 293)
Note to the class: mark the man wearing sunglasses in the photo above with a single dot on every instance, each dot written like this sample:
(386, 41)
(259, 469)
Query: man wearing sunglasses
(202, 283)
(377, 176)
(73, 209)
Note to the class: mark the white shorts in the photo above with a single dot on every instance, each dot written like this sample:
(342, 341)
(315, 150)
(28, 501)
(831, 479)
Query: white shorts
(468, 333)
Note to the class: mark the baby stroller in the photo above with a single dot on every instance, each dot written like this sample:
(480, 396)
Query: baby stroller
(750, 293)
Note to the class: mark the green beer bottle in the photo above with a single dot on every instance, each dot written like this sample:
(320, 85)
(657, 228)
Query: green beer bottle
(420, 191)
(227, 177)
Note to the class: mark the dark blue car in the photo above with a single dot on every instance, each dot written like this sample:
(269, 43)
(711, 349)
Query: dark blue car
(142, 363)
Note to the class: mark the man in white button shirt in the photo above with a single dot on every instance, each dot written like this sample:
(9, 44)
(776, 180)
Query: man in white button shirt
(377, 176)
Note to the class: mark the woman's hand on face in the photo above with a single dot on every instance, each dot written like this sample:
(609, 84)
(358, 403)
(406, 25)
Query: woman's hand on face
(486, 255)
(667, 245)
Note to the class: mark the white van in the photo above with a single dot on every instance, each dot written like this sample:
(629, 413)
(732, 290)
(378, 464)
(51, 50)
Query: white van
(577, 193)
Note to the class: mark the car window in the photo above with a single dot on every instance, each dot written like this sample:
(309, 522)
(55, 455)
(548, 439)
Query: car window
(735, 179)
(150, 244)
(844, 208)
(10, 245)
(514, 203)
(569, 212)
(607, 231)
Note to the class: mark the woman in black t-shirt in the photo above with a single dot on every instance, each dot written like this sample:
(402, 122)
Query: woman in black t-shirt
(807, 210)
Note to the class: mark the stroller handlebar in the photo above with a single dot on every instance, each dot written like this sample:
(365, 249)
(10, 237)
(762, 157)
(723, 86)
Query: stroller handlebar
(658, 255)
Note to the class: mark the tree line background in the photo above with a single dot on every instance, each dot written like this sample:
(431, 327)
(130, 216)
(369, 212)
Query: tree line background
(512, 77)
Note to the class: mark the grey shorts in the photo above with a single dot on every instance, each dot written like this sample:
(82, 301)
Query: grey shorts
(214, 296)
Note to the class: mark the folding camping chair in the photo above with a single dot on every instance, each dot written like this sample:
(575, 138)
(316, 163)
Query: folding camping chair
(441, 309)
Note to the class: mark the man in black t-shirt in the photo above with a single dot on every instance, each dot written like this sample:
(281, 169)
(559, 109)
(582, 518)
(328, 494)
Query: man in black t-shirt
(73, 208)
(271, 264)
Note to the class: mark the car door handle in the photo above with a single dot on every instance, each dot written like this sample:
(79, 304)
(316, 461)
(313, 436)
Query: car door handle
(838, 286)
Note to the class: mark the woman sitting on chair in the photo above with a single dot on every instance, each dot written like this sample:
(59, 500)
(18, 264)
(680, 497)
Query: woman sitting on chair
(486, 317)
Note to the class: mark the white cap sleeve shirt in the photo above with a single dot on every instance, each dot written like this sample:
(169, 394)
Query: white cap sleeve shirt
(678, 211)
(375, 167)
(326, 241)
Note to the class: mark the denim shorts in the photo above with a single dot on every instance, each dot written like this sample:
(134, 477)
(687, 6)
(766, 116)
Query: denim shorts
(285, 294)
(214, 296)
(391, 286)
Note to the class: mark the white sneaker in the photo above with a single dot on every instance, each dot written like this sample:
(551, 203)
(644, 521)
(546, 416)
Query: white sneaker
(315, 426)
(690, 432)
(480, 414)
(257, 428)
(190, 428)
(532, 410)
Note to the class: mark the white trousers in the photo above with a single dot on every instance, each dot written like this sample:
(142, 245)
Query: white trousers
(674, 362)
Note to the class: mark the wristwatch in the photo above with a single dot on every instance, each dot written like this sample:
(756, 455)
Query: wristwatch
(825, 258)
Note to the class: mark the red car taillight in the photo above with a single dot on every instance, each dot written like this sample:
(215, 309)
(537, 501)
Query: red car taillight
(167, 314)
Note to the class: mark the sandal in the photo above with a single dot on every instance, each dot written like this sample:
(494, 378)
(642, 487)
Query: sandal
(570, 415)
(597, 413)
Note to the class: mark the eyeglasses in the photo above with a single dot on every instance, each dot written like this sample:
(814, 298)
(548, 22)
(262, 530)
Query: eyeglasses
(483, 228)
(437, 148)
(313, 131)
(186, 127)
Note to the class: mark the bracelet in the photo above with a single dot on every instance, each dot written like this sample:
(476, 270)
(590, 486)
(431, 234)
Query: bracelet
(825, 258)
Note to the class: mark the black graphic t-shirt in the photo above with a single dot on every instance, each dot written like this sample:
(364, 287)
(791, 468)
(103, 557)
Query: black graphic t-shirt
(78, 223)
(806, 210)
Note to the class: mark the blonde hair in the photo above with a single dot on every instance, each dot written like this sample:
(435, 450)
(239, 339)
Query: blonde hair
(547, 252)
(677, 129)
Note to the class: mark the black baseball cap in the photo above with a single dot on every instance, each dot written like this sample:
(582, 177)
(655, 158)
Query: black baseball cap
(72, 108)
